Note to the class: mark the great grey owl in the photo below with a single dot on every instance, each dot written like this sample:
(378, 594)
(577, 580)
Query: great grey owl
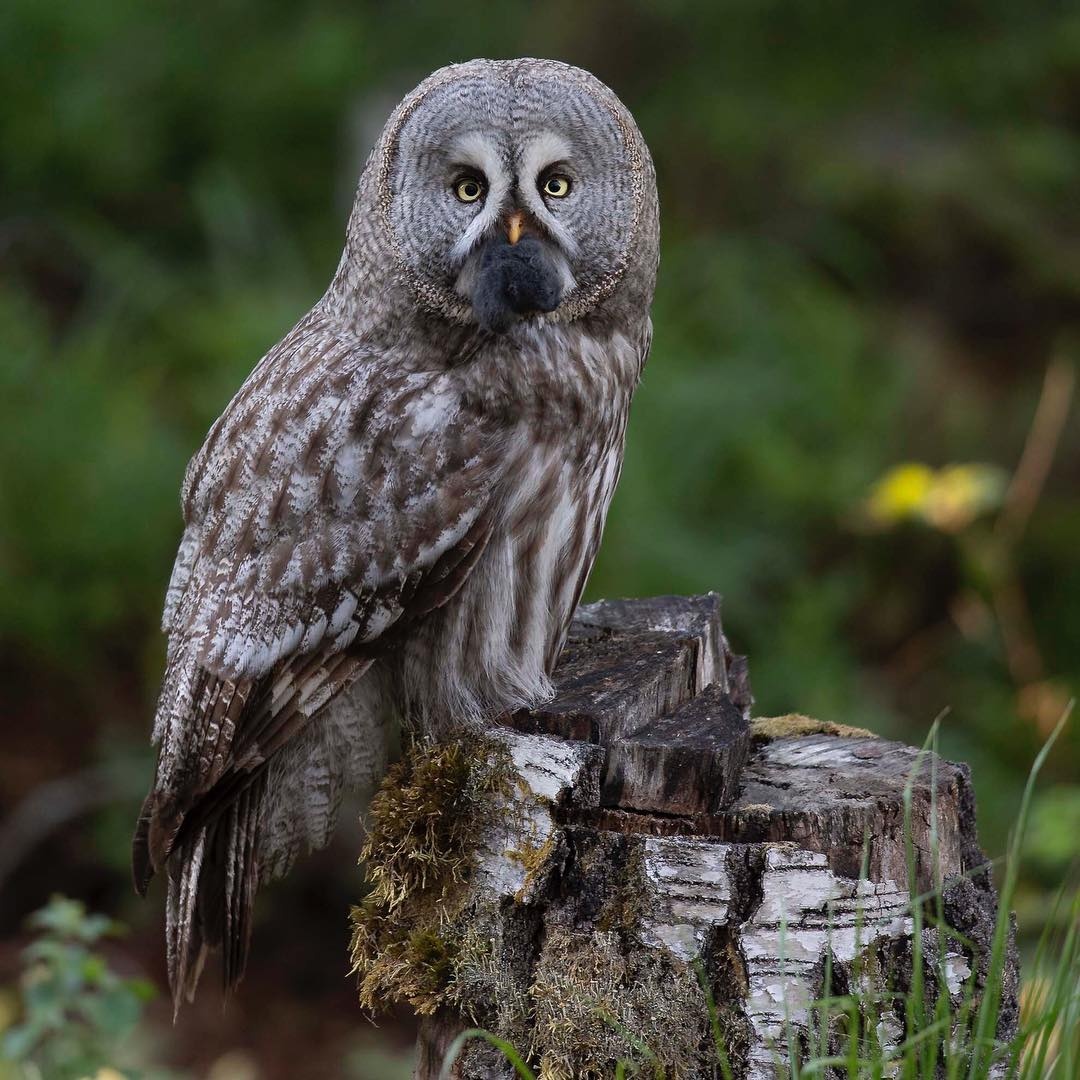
(397, 512)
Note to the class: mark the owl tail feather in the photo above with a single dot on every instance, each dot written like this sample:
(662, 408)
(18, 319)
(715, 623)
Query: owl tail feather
(213, 876)
(155, 834)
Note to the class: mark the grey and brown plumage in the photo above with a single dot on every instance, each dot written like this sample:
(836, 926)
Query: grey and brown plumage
(396, 514)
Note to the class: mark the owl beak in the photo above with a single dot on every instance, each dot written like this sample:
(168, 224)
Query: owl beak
(515, 226)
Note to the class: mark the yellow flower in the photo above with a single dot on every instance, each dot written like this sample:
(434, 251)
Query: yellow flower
(948, 499)
(960, 493)
(900, 493)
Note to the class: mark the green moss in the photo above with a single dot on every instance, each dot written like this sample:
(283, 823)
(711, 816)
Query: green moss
(531, 855)
(597, 1003)
(394, 965)
(767, 728)
(599, 996)
(424, 827)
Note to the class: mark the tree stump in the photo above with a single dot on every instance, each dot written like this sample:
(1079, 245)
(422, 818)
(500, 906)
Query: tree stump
(652, 871)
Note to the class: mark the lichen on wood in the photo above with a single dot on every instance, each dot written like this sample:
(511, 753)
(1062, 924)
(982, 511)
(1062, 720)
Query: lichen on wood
(600, 998)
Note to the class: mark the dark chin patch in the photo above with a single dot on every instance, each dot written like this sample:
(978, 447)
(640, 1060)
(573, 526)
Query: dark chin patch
(513, 280)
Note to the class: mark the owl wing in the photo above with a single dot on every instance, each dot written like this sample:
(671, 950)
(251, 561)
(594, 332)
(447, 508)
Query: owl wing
(334, 504)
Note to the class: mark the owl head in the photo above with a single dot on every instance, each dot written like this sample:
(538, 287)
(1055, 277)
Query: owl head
(509, 191)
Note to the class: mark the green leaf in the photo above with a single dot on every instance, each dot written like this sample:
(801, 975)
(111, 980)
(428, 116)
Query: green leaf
(113, 1012)
(143, 989)
(19, 1041)
(94, 968)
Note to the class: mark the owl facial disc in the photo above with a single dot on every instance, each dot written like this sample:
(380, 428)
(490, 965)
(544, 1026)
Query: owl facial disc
(511, 190)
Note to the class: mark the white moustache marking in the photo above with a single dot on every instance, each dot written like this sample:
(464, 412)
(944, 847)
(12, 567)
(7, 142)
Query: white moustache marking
(546, 149)
(479, 152)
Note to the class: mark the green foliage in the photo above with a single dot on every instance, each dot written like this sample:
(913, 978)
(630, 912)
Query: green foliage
(76, 1010)
(940, 1040)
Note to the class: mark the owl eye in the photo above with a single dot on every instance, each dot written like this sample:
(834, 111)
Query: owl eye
(558, 187)
(469, 189)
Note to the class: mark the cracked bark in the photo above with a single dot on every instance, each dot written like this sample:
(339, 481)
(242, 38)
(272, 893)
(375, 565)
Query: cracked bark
(667, 849)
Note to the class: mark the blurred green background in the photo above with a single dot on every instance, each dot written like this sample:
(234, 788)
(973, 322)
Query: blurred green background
(871, 259)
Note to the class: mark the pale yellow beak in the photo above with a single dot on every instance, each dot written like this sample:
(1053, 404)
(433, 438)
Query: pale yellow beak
(515, 223)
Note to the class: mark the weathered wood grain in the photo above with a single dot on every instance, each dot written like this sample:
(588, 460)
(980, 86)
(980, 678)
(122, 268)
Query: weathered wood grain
(654, 682)
(686, 762)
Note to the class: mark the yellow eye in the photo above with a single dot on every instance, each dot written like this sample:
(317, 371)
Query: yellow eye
(469, 189)
(558, 187)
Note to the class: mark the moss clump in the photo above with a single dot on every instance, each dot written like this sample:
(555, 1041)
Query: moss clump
(597, 1003)
(397, 966)
(424, 822)
(531, 855)
(767, 728)
(424, 828)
